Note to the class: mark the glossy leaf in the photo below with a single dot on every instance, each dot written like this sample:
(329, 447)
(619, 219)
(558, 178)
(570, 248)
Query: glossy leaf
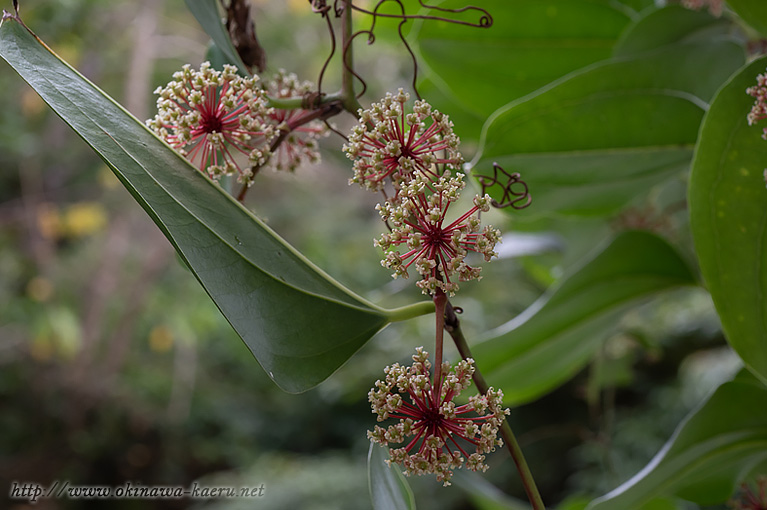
(299, 323)
(711, 451)
(590, 143)
(653, 504)
(466, 124)
(661, 27)
(557, 336)
(388, 488)
(537, 41)
(207, 15)
(728, 216)
(637, 5)
(484, 495)
(753, 12)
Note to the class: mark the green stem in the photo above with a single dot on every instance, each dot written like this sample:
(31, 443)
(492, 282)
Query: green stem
(348, 97)
(453, 327)
(410, 311)
(297, 103)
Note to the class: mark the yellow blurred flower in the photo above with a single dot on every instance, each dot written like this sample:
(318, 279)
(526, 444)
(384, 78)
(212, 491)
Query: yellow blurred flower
(160, 338)
(40, 289)
(84, 218)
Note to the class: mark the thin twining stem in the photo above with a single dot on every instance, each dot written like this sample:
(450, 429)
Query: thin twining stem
(485, 19)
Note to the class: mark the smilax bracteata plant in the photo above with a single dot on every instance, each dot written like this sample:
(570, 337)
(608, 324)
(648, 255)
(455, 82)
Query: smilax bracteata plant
(230, 124)
(222, 122)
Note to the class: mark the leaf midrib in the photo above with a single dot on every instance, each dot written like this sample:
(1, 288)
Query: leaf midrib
(360, 304)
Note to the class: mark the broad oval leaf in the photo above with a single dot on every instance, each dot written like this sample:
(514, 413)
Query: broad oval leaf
(299, 323)
(580, 503)
(537, 41)
(710, 452)
(388, 488)
(466, 124)
(728, 216)
(753, 12)
(660, 27)
(589, 143)
(637, 5)
(553, 339)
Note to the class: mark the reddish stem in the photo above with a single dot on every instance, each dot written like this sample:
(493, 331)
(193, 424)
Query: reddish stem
(440, 301)
(323, 112)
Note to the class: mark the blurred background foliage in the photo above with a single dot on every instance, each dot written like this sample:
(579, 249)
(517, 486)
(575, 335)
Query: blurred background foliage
(115, 366)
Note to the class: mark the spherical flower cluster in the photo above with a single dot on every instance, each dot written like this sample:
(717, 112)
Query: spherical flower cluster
(749, 498)
(437, 433)
(387, 143)
(210, 116)
(418, 153)
(435, 246)
(714, 6)
(300, 143)
(759, 109)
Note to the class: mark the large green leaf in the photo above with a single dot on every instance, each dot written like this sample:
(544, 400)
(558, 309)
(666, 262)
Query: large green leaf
(466, 124)
(554, 338)
(637, 5)
(660, 27)
(653, 504)
(753, 12)
(484, 495)
(531, 43)
(207, 15)
(728, 216)
(591, 142)
(388, 488)
(712, 450)
(299, 323)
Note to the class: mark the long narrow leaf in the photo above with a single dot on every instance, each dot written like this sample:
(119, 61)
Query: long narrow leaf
(207, 15)
(388, 488)
(299, 323)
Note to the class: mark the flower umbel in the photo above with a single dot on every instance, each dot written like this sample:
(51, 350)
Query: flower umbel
(714, 6)
(300, 143)
(759, 109)
(750, 499)
(436, 248)
(210, 116)
(387, 143)
(441, 431)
